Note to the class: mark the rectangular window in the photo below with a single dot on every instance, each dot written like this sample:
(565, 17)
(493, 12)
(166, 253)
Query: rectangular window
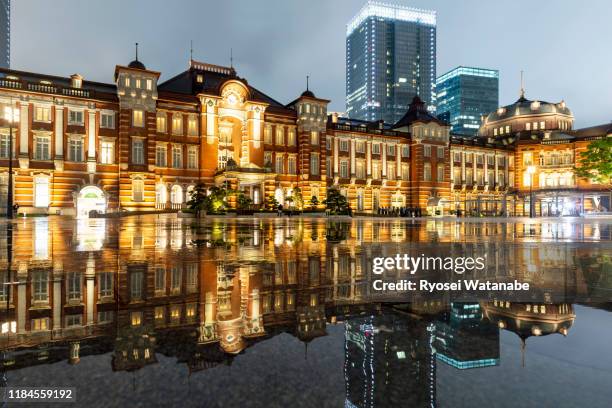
(160, 155)
(375, 170)
(149, 84)
(74, 286)
(268, 134)
(491, 160)
(344, 145)
(42, 114)
(177, 124)
(426, 151)
(137, 118)
(192, 157)
(360, 147)
(75, 117)
(107, 120)
(105, 283)
(469, 177)
(314, 164)
(40, 324)
(280, 168)
(40, 285)
(457, 175)
(405, 151)
(175, 279)
(391, 150)
(344, 168)
(479, 177)
(542, 125)
(127, 82)
(527, 126)
(427, 172)
(177, 156)
(527, 159)
(292, 141)
(268, 159)
(42, 148)
(457, 157)
(440, 152)
(160, 280)
(479, 159)
(138, 190)
(162, 126)
(192, 126)
(405, 172)
(4, 146)
(107, 152)
(191, 277)
(390, 171)
(41, 192)
(440, 173)
(137, 83)
(280, 136)
(292, 165)
(75, 149)
(375, 148)
(314, 137)
(468, 157)
(137, 151)
(136, 279)
(360, 170)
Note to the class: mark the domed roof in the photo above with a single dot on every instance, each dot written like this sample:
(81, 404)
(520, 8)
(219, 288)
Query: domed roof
(308, 93)
(525, 107)
(136, 64)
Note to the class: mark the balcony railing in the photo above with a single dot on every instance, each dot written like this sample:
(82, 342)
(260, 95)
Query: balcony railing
(44, 88)
(170, 206)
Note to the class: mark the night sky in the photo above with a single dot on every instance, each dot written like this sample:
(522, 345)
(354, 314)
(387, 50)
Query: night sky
(563, 46)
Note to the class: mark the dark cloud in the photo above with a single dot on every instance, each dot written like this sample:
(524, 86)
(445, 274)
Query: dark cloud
(562, 46)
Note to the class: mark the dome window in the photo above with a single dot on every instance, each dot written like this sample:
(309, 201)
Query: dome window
(535, 105)
(76, 81)
(501, 111)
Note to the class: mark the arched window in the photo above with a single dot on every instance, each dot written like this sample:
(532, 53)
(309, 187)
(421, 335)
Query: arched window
(176, 194)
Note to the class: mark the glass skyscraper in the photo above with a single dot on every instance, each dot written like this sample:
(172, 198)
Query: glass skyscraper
(390, 58)
(464, 95)
(5, 33)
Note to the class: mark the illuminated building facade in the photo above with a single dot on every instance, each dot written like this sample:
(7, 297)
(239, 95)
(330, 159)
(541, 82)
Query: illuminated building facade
(139, 145)
(464, 95)
(390, 58)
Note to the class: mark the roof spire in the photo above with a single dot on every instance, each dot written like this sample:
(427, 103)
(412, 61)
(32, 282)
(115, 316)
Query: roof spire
(136, 51)
(307, 78)
(231, 58)
(522, 85)
(191, 50)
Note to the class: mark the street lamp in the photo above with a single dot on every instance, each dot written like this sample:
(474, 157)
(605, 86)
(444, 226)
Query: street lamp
(531, 171)
(11, 115)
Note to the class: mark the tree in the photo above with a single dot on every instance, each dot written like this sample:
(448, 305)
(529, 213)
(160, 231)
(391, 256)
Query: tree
(595, 163)
(335, 202)
(242, 201)
(298, 199)
(198, 200)
(271, 203)
(314, 202)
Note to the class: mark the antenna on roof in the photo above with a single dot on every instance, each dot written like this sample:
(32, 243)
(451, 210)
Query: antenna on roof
(522, 85)
(307, 78)
(136, 51)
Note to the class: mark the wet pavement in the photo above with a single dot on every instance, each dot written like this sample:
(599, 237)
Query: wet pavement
(159, 311)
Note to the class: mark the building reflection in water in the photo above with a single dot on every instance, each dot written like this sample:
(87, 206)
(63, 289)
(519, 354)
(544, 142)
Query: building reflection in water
(204, 293)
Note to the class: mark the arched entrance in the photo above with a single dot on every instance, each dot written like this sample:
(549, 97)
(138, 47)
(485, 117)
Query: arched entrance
(279, 195)
(90, 198)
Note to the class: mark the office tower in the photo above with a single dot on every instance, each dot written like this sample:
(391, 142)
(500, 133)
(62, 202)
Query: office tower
(5, 33)
(464, 94)
(390, 58)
